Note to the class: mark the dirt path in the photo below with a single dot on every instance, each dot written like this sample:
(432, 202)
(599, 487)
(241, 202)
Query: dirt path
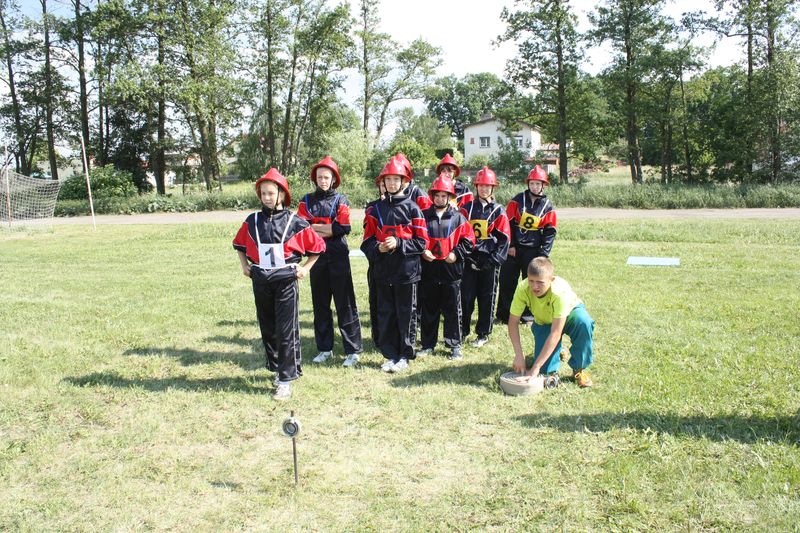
(570, 213)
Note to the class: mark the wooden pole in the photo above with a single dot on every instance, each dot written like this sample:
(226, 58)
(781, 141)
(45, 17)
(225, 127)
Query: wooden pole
(8, 185)
(88, 183)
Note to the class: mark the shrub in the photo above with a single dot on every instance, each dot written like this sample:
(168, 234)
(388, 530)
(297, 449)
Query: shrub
(107, 182)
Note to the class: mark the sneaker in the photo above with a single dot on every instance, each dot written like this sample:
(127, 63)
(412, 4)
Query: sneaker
(551, 381)
(582, 378)
(425, 351)
(480, 341)
(388, 366)
(456, 354)
(322, 357)
(283, 392)
(400, 365)
(351, 360)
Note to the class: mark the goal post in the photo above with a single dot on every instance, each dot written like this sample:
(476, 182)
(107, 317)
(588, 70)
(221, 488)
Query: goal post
(26, 201)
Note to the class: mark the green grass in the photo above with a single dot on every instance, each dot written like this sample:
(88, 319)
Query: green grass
(134, 396)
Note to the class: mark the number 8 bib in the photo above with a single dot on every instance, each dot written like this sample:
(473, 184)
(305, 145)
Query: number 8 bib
(529, 222)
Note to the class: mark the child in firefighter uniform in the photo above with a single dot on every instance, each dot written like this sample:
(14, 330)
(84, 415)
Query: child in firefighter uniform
(328, 212)
(450, 240)
(489, 223)
(270, 244)
(410, 188)
(394, 238)
(450, 169)
(533, 229)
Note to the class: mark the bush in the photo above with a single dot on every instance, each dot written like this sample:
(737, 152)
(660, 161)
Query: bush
(477, 161)
(107, 182)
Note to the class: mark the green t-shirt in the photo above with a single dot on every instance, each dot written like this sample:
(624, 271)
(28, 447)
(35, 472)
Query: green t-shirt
(557, 302)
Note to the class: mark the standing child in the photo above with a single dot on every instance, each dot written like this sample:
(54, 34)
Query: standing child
(450, 240)
(372, 292)
(328, 211)
(557, 310)
(489, 222)
(394, 238)
(450, 169)
(270, 244)
(533, 230)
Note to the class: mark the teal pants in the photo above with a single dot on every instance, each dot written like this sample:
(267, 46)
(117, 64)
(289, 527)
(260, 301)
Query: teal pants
(579, 329)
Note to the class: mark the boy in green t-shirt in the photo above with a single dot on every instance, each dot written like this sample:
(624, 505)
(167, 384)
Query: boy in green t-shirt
(556, 310)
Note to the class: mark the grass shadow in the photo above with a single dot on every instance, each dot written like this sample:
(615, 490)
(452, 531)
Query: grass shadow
(744, 429)
(248, 384)
(473, 374)
(188, 357)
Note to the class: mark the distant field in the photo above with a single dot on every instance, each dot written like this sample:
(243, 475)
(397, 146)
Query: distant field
(134, 396)
(620, 175)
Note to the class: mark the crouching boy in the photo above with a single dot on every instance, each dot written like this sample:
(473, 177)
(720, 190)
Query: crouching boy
(557, 310)
(270, 244)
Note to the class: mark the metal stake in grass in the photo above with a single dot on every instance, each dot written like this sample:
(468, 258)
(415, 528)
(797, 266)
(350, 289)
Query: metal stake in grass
(291, 428)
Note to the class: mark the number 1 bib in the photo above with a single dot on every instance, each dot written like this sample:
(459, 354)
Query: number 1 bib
(270, 255)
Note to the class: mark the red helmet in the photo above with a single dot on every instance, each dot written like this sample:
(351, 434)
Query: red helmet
(448, 160)
(442, 184)
(275, 177)
(538, 174)
(327, 162)
(394, 168)
(486, 176)
(400, 156)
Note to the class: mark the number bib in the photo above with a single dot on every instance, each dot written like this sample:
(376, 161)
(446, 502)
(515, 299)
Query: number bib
(529, 222)
(270, 256)
(481, 229)
(440, 248)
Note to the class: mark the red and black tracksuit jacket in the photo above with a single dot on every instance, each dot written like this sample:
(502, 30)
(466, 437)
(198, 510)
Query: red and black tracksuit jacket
(463, 194)
(492, 231)
(441, 281)
(533, 230)
(331, 276)
(275, 291)
(419, 196)
(395, 273)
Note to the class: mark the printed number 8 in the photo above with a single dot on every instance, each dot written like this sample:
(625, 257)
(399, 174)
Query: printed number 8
(528, 223)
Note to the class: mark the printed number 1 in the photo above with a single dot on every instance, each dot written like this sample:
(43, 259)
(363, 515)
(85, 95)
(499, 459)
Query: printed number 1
(270, 255)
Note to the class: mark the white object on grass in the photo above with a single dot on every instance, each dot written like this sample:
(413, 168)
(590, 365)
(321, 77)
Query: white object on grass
(513, 386)
(654, 261)
(357, 253)
(26, 201)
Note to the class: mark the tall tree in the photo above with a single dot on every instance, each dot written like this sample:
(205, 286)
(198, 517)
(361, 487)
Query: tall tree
(49, 91)
(547, 60)
(631, 26)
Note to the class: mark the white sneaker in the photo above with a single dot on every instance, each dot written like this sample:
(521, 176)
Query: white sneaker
(351, 360)
(388, 366)
(424, 352)
(480, 341)
(399, 366)
(322, 357)
(283, 392)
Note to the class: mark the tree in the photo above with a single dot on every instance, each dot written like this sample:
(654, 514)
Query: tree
(547, 61)
(631, 26)
(456, 102)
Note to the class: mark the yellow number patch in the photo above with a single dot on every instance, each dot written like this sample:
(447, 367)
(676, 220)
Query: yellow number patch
(481, 229)
(528, 221)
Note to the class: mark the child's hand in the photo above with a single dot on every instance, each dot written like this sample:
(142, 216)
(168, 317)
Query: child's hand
(300, 272)
(451, 258)
(428, 256)
(512, 252)
(519, 364)
(246, 270)
(391, 243)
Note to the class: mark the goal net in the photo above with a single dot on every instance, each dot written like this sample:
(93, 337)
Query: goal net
(26, 201)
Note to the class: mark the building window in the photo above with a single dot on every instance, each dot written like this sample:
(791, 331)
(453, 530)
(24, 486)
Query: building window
(518, 138)
(485, 142)
(472, 140)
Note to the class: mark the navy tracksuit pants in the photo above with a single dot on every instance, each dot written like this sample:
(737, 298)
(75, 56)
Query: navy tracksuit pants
(439, 298)
(396, 316)
(277, 304)
(480, 285)
(513, 270)
(331, 278)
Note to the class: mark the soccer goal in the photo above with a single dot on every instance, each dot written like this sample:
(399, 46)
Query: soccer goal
(26, 201)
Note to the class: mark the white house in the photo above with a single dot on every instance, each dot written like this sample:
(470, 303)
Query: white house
(484, 137)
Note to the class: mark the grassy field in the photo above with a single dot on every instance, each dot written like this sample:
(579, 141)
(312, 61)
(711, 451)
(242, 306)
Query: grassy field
(134, 396)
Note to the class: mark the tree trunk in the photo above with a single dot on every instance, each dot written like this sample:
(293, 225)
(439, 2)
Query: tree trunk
(634, 154)
(159, 159)
(270, 88)
(20, 156)
(365, 65)
(84, 97)
(686, 148)
(773, 113)
(287, 119)
(562, 104)
(48, 82)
